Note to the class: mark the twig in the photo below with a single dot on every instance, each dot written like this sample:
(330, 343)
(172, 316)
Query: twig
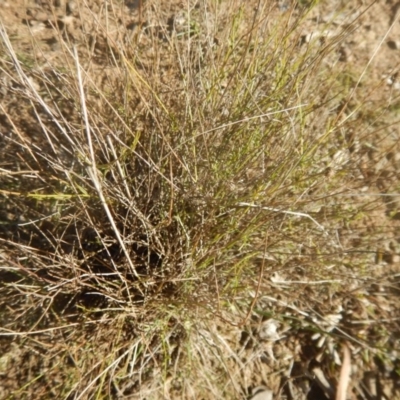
(92, 170)
(344, 374)
(296, 213)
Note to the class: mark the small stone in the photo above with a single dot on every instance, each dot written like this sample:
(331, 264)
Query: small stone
(71, 6)
(37, 27)
(67, 20)
(179, 20)
(394, 44)
(268, 330)
(41, 16)
(262, 393)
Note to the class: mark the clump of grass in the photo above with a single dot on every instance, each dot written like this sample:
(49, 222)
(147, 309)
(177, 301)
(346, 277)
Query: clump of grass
(145, 205)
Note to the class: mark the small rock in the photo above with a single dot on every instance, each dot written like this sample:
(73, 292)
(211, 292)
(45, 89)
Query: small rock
(41, 16)
(394, 44)
(268, 330)
(67, 20)
(71, 6)
(262, 393)
(37, 27)
(179, 20)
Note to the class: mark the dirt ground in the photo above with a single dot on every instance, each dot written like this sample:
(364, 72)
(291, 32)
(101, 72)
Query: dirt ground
(372, 50)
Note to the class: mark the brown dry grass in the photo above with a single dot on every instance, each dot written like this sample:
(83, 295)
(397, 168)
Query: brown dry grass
(192, 208)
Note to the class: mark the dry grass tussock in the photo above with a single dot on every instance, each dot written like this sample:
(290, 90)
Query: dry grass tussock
(191, 207)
